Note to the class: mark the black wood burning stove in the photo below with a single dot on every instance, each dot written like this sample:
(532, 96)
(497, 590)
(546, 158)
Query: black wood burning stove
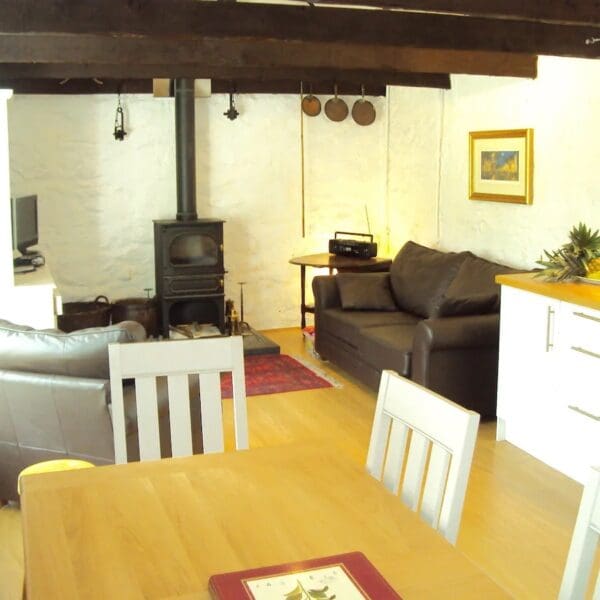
(190, 272)
(188, 252)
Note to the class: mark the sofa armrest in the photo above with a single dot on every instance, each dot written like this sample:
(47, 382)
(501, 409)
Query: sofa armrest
(66, 415)
(326, 292)
(44, 417)
(472, 331)
(457, 357)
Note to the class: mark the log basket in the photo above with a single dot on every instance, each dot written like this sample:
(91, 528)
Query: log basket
(81, 315)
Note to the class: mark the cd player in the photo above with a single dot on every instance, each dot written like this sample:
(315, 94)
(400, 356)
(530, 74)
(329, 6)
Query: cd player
(350, 247)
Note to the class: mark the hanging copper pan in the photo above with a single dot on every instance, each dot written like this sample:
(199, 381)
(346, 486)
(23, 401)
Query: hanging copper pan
(335, 108)
(311, 105)
(363, 111)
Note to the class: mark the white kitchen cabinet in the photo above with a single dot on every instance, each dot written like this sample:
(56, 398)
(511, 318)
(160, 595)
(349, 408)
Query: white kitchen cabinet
(548, 391)
(33, 300)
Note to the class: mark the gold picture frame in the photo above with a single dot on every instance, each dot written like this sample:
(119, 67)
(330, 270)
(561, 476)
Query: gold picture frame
(501, 165)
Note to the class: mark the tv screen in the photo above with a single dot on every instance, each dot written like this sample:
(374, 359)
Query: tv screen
(24, 223)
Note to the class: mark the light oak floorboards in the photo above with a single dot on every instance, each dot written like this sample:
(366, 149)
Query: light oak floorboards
(11, 553)
(518, 515)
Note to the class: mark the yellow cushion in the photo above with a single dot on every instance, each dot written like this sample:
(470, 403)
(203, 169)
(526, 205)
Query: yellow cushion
(62, 464)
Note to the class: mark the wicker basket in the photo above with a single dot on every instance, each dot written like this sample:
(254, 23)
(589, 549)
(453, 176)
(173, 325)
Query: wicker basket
(81, 315)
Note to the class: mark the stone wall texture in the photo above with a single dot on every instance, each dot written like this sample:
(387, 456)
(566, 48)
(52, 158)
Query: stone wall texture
(6, 272)
(562, 107)
(98, 197)
(408, 172)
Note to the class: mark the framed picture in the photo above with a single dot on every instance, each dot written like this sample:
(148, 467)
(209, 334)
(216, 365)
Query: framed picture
(501, 165)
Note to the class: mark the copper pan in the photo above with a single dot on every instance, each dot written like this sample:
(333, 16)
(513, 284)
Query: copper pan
(335, 108)
(363, 111)
(311, 105)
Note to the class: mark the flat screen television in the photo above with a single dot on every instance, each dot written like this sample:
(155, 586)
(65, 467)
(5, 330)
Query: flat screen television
(24, 223)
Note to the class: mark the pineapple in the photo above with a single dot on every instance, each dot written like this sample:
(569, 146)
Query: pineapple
(577, 258)
(593, 266)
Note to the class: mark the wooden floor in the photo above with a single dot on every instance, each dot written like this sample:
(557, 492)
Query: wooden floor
(518, 515)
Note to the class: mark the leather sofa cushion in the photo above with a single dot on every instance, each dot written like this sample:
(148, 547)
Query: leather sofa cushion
(365, 291)
(351, 325)
(388, 347)
(82, 353)
(476, 304)
(473, 290)
(420, 277)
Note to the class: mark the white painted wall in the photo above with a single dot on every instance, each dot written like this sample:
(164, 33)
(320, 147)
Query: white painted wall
(563, 107)
(6, 271)
(98, 197)
(415, 124)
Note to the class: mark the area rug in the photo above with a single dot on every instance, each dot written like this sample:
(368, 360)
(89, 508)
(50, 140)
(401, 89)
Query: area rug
(276, 374)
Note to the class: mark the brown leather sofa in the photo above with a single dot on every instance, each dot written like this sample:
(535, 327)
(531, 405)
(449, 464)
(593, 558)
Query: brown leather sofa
(55, 398)
(433, 318)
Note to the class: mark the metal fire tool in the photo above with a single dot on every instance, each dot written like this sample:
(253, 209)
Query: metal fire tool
(243, 325)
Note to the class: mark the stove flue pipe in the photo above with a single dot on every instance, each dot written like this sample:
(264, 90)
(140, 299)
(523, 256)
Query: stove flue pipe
(185, 142)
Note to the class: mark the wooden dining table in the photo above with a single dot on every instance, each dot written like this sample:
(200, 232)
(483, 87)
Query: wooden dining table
(160, 529)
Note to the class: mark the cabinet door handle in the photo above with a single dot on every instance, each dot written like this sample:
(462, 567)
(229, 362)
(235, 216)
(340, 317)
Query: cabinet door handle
(584, 412)
(584, 316)
(584, 351)
(549, 328)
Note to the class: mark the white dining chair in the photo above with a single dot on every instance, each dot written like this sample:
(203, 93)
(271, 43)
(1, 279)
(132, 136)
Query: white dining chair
(421, 448)
(584, 544)
(176, 360)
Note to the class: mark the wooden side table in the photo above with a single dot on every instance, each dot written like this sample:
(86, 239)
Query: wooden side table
(343, 264)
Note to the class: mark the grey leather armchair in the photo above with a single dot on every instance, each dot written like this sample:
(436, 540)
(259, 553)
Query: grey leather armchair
(54, 397)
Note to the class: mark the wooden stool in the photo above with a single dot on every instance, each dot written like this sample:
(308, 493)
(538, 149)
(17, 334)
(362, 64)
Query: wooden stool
(48, 466)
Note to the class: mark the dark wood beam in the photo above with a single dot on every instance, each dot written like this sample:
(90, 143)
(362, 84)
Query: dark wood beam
(17, 72)
(28, 72)
(219, 86)
(572, 12)
(214, 55)
(244, 86)
(77, 86)
(198, 20)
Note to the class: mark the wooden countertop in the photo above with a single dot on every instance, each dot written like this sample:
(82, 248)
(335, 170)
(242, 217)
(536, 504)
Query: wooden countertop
(160, 529)
(578, 292)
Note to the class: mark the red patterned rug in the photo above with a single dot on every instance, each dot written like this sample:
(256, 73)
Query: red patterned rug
(274, 374)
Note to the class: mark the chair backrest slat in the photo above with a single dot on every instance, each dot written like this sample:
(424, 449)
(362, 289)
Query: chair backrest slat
(437, 462)
(584, 544)
(147, 417)
(204, 359)
(212, 415)
(392, 470)
(180, 419)
(415, 470)
(435, 485)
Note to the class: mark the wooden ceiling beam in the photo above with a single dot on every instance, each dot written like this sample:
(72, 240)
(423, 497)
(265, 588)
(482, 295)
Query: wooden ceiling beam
(198, 20)
(214, 55)
(24, 72)
(573, 12)
(219, 86)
